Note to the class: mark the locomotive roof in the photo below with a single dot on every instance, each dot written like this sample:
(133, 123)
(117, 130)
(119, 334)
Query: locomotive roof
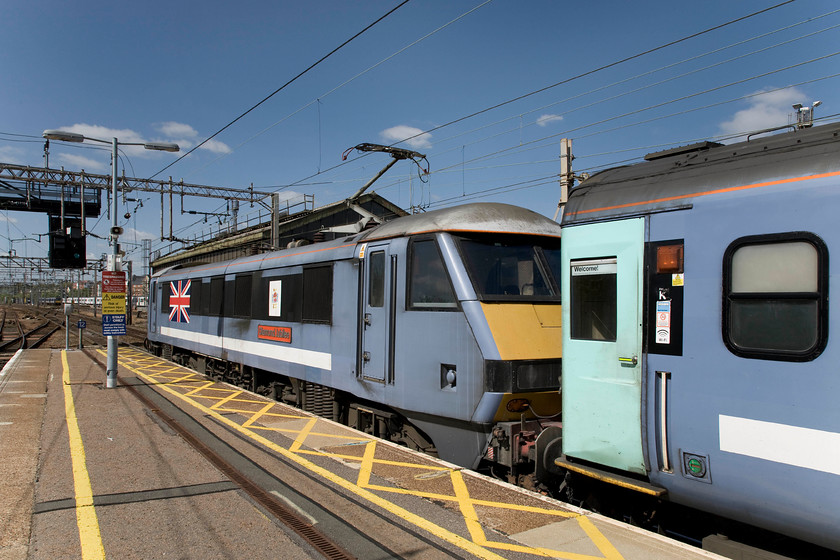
(475, 217)
(673, 179)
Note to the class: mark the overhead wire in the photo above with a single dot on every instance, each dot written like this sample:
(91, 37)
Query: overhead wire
(637, 123)
(344, 83)
(600, 69)
(639, 89)
(281, 88)
(568, 80)
(656, 70)
(321, 173)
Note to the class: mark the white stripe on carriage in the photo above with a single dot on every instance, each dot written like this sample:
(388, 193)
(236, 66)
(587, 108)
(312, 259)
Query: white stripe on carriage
(792, 445)
(301, 356)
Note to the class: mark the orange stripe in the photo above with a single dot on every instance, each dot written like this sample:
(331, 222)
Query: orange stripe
(458, 230)
(706, 193)
(225, 264)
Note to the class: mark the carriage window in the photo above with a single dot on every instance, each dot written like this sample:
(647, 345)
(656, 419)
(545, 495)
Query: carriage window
(317, 294)
(217, 289)
(429, 286)
(242, 296)
(593, 300)
(204, 300)
(376, 289)
(195, 296)
(775, 304)
(163, 288)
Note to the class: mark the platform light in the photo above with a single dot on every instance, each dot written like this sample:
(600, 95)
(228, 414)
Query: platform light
(65, 136)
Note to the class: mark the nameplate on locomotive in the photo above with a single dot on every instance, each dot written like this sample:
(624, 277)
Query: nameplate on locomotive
(277, 334)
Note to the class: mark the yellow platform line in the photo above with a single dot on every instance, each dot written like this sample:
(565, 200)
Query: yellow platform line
(86, 520)
(460, 490)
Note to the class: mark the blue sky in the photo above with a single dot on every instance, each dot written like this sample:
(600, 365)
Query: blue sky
(180, 71)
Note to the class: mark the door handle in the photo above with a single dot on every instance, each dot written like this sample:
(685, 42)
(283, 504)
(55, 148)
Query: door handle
(628, 362)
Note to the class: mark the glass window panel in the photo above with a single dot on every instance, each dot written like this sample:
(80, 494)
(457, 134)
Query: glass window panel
(376, 270)
(506, 268)
(594, 313)
(317, 294)
(775, 267)
(787, 325)
(430, 285)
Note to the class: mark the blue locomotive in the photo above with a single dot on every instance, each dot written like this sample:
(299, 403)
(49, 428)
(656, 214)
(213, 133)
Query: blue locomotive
(697, 360)
(440, 331)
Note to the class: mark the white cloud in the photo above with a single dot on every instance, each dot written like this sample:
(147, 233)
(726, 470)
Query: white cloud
(182, 134)
(545, 120)
(10, 153)
(105, 134)
(187, 137)
(766, 110)
(133, 233)
(73, 161)
(176, 130)
(414, 137)
(216, 147)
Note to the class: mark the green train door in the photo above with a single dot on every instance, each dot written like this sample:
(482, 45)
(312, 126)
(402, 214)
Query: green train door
(602, 343)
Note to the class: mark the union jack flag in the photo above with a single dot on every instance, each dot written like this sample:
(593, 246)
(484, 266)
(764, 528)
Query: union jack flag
(179, 301)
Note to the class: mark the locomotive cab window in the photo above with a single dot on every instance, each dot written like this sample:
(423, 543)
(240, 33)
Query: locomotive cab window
(775, 297)
(429, 286)
(512, 267)
(594, 311)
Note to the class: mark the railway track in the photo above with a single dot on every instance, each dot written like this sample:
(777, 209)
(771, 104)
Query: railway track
(29, 327)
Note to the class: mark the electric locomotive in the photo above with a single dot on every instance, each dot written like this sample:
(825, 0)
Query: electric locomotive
(440, 331)
(697, 362)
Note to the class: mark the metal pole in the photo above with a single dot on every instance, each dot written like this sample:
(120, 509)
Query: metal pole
(111, 380)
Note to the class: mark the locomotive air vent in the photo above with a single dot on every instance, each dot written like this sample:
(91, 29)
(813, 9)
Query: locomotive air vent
(700, 146)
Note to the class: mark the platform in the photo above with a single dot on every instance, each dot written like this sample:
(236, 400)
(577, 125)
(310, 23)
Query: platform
(92, 472)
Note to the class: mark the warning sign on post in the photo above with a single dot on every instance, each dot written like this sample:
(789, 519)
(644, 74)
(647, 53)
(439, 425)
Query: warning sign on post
(113, 303)
(113, 282)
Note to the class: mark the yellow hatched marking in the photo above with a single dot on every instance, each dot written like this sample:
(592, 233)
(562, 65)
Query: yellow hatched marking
(89, 536)
(200, 388)
(367, 464)
(477, 544)
(467, 509)
(303, 434)
(258, 415)
(227, 399)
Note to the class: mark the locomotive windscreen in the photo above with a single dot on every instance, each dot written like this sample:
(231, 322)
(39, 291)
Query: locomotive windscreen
(512, 267)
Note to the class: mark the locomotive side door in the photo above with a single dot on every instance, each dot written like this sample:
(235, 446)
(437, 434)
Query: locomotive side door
(377, 314)
(155, 295)
(602, 343)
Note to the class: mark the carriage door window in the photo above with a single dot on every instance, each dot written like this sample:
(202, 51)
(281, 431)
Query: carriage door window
(376, 288)
(593, 300)
(775, 297)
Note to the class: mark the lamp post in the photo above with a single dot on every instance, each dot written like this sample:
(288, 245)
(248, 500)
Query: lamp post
(111, 373)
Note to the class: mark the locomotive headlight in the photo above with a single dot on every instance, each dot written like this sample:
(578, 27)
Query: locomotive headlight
(518, 405)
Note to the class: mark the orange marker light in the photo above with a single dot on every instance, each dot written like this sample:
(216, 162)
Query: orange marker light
(518, 405)
(669, 259)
